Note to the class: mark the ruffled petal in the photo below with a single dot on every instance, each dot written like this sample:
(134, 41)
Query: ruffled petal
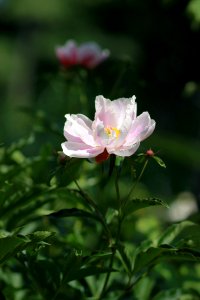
(113, 113)
(78, 129)
(103, 113)
(113, 120)
(141, 128)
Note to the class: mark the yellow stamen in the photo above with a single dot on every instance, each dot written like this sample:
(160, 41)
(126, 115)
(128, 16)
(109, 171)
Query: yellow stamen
(109, 131)
(117, 132)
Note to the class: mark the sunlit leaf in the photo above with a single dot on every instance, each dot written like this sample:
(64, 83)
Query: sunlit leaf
(136, 204)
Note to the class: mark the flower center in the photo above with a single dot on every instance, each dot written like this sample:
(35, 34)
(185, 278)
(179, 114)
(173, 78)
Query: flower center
(112, 131)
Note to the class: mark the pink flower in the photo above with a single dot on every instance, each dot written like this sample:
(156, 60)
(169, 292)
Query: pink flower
(88, 54)
(116, 129)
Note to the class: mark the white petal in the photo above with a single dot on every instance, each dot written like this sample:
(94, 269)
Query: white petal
(125, 151)
(78, 128)
(141, 128)
(101, 106)
(113, 113)
(81, 150)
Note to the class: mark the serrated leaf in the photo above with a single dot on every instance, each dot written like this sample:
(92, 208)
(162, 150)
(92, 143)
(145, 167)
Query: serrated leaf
(136, 204)
(153, 256)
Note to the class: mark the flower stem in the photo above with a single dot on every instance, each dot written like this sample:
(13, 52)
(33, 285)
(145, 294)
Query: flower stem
(108, 274)
(117, 190)
(136, 182)
(114, 247)
(96, 209)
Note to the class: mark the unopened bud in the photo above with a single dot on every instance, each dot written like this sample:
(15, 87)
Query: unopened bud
(150, 153)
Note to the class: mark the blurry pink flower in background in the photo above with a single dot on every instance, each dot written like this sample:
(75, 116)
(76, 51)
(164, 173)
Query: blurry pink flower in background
(88, 55)
(116, 129)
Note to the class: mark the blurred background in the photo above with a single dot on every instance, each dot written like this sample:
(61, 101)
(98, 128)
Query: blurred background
(154, 46)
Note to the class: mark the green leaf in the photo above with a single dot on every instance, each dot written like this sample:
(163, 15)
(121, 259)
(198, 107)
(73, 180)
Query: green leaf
(124, 258)
(119, 161)
(172, 294)
(38, 236)
(88, 271)
(144, 287)
(136, 204)
(153, 256)
(74, 212)
(76, 269)
(184, 234)
(11, 245)
(111, 214)
(67, 173)
(21, 143)
(177, 294)
(193, 10)
(159, 161)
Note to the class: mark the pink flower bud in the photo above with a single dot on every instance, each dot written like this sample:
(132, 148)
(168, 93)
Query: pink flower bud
(150, 153)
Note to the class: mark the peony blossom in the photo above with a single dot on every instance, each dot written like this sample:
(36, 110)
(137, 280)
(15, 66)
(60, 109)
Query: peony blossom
(88, 55)
(116, 129)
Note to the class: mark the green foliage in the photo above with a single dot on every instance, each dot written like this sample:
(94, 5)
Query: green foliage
(136, 204)
(11, 245)
(58, 239)
(68, 230)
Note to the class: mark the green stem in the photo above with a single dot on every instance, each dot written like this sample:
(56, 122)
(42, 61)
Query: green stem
(114, 248)
(117, 235)
(117, 190)
(136, 182)
(95, 207)
(108, 274)
(120, 220)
